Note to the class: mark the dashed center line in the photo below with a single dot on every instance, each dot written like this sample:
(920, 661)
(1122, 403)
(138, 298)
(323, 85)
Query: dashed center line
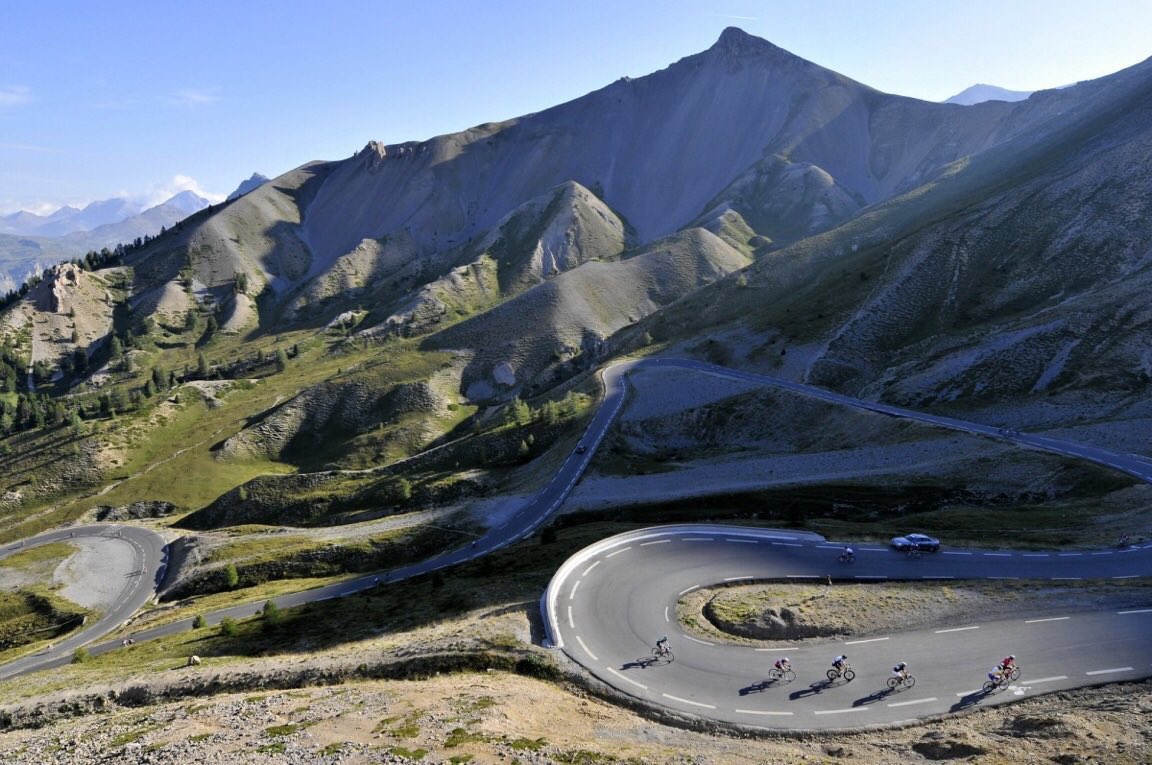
(589, 569)
(869, 640)
(839, 711)
(743, 541)
(698, 539)
(617, 552)
(737, 578)
(1137, 611)
(1049, 619)
(958, 629)
(572, 595)
(1052, 679)
(1109, 671)
(761, 712)
(656, 542)
(697, 640)
(693, 587)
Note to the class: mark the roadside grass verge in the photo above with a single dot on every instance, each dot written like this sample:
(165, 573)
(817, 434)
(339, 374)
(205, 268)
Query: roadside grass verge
(42, 558)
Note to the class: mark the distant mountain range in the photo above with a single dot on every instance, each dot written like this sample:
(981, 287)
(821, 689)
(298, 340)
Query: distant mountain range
(30, 242)
(980, 93)
(70, 220)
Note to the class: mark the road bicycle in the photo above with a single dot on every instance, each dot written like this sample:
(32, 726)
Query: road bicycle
(663, 655)
(847, 673)
(914, 552)
(1001, 681)
(896, 681)
(1013, 672)
(847, 557)
(787, 675)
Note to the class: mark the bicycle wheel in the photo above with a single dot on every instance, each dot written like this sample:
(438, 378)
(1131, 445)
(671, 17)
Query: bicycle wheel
(990, 686)
(909, 681)
(1015, 675)
(849, 675)
(832, 674)
(893, 682)
(789, 675)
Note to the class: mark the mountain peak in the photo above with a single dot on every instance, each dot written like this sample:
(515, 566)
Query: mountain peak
(735, 41)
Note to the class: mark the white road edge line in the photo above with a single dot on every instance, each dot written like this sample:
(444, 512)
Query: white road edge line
(1137, 611)
(737, 578)
(1109, 671)
(626, 678)
(693, 587)
(909, 703)
(571, 624)
(697, 640)
(581, 642)
(687, 701)
(666, 617)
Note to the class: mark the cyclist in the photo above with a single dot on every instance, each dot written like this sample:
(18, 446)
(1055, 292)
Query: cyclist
(849, 554)
(1006, 664)
(662, 645)
(783, 665)
(840, 663)
(901, 671)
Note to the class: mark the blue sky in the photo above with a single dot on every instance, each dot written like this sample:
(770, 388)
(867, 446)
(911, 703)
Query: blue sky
(118, 98)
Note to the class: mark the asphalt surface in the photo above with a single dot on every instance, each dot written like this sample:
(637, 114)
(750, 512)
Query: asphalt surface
(609, 604)
(140, 581)
(617, 604)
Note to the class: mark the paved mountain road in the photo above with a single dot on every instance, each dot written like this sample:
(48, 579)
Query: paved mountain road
(140, 579)
(609, 603)
(606, 611)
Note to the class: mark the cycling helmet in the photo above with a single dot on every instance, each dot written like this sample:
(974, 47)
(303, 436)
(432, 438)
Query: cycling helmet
(1012, 656)
(787, 660)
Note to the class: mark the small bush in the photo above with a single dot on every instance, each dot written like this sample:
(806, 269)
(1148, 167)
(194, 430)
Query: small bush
(228, 627)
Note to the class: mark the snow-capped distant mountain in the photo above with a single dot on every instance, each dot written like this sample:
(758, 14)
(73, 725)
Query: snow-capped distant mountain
(978, 94)
(256, 181)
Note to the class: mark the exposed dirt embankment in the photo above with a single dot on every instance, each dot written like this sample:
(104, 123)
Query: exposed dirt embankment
(782, 611)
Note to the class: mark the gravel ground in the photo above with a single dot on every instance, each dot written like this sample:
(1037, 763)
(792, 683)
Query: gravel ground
(96, 574)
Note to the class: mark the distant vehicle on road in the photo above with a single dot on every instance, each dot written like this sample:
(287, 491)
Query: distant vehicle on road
(581, 449)
(916, 542)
